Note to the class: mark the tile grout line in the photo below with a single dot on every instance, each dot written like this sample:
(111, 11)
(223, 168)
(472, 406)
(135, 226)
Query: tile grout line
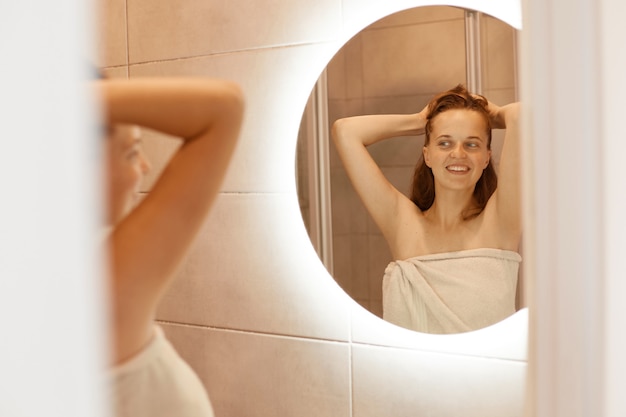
(234, 51)
(269, 193)
(250, 332)
(350, 343)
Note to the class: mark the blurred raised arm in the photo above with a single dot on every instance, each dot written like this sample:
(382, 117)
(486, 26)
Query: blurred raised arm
(148, 245)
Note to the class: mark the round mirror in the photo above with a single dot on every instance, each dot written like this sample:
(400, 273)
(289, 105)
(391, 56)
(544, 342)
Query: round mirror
(394, 66)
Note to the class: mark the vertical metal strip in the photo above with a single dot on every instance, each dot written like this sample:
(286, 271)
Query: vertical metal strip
(319, 173)
(473, 61)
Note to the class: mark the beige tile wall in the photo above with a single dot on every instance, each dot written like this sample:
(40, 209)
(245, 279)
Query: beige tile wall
(253, 310)
(388, 382)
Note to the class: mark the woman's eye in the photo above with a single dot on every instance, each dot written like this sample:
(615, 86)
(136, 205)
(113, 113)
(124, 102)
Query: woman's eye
(444, 144)
(472, 145)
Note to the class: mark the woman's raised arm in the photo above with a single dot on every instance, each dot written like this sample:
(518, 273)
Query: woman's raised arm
(507, 197)
(148, 244)
(351, 137)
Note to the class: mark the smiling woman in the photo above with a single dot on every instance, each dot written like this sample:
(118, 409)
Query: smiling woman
(453, 243)
(460, 135)
(394, 67)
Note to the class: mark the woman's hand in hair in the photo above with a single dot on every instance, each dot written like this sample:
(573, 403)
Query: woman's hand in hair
(420, 120)
(510, 113)
(496, 116)
(501, 116)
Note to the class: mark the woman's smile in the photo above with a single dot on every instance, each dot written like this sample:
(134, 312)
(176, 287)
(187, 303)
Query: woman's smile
(457, 169)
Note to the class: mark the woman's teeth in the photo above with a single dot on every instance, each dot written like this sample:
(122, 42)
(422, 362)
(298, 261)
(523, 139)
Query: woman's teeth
(458, 168)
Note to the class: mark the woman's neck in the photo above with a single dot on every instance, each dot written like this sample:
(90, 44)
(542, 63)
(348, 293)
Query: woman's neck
(450, 209)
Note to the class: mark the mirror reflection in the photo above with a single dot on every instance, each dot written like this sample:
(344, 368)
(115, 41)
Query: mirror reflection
(439, 254)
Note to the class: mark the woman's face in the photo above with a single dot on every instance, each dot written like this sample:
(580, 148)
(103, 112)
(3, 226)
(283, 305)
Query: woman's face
(458, 152)
(126, 167)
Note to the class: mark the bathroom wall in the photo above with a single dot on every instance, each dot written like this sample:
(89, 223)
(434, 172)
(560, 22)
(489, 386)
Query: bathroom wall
(396, 66)
(253, 310)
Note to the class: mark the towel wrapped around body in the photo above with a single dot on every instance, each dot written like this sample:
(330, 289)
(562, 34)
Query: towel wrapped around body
(451, 292)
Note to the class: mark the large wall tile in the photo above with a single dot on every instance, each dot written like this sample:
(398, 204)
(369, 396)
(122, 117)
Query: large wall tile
(499, 49)
(336, 80)
(350, 266)
(415, 63)
(253, 268)
(358, 14)
(162, 30)
(396, 382)
(342, 261)
(252, 375)
(411, 103)
(378, 258)
(111, 37)
(398, 152)
(265, 158)
(424, 14)
(348, 213)
(352, 53)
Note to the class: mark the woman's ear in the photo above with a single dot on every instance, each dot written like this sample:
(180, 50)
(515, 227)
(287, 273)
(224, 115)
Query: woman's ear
(488, 159)
(426, 156)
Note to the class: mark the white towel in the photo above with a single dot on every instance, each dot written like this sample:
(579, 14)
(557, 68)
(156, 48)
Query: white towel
(451, 292)
(157, 382)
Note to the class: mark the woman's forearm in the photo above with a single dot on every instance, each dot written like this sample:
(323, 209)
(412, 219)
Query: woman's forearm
(505, 116)
(180, 107)
(374, 128)
(510, 114)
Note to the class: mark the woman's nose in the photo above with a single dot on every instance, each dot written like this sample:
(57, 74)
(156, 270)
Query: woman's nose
(145, 165)
(458, 151)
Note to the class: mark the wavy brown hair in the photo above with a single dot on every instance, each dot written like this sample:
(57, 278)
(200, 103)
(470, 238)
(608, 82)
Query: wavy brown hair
(423, 187)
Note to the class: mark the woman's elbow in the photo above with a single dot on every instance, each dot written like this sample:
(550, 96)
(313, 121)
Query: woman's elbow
(337, 130)
(233, 99)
